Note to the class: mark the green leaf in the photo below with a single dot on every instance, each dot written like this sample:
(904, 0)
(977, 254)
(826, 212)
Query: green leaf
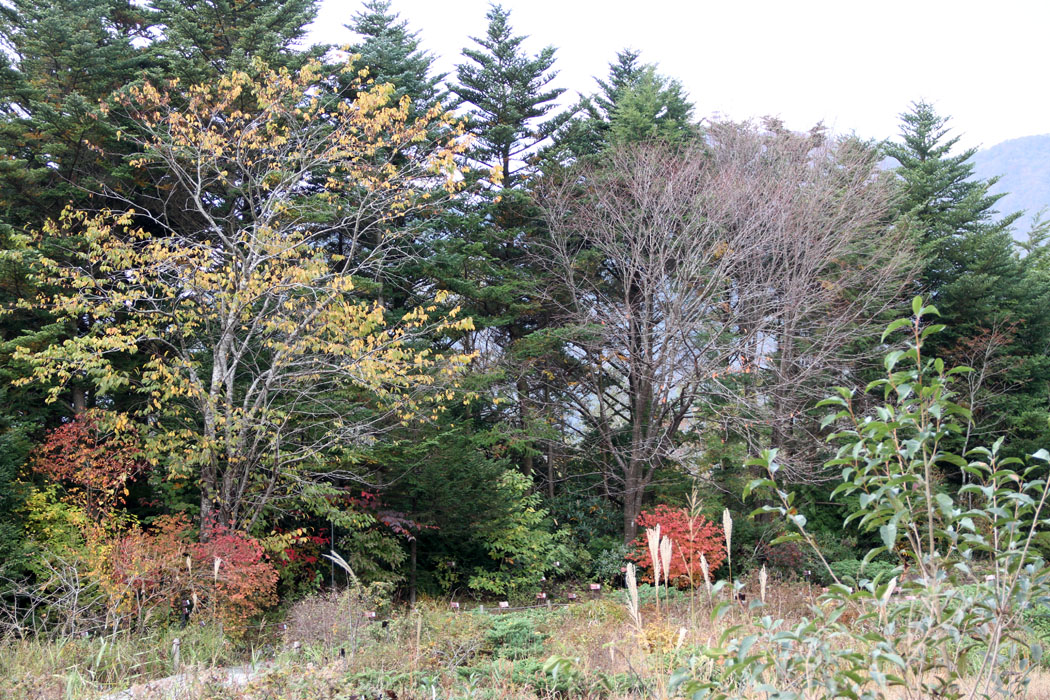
(899, 323)
(888, 533)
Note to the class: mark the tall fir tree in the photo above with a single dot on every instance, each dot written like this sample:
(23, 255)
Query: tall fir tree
(509, 98)
(65, 57)
(992, 299)
(391, 53)
(634, 103)
(512, 113)
(59, 146)
(970, 268)
(200, 39)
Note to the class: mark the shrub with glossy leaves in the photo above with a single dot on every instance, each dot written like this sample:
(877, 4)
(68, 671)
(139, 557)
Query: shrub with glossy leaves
(948, 620)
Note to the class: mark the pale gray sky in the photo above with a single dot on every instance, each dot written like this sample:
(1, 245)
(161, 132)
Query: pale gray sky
(853, 64)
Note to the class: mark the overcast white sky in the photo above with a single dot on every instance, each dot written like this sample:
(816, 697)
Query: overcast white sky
(853, 64)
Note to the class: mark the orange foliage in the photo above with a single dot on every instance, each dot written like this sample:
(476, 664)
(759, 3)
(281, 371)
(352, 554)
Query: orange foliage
(150, 572)
(690, 536)
(92, 464)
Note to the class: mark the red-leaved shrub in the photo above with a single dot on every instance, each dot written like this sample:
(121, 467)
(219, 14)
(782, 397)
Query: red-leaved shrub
(243, 582)
(690, 537)
(94, 465)
(151, 572)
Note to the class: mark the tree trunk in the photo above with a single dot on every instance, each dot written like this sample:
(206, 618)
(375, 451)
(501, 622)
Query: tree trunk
(632, 503)
(523, 412)
(80, 399)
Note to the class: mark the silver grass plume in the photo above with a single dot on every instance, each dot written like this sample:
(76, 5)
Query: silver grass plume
(652, 536)
(727, 525)
(665, 559)
(632, 595)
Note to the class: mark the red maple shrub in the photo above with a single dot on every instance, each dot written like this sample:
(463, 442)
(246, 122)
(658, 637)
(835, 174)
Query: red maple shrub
(242, 581)
(690, 536)
(94, 465)
(151, 572)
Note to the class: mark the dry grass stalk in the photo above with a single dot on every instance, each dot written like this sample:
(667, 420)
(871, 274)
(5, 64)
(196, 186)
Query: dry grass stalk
(727, 525)
(652, 536)
(707, 574)
(632, 597)
(665, 559)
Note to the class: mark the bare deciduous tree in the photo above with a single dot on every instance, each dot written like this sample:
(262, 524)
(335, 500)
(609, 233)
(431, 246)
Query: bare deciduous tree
(711, 284)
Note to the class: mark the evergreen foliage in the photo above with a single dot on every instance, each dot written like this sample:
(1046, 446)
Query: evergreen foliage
(391, 54)
(202, 39)
(509, 97)
(634, 103)
(992, 299)
(967, 248)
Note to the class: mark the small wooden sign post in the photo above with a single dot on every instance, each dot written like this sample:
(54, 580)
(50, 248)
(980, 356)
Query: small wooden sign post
(454, 605)
(596, 590)
(503, 605)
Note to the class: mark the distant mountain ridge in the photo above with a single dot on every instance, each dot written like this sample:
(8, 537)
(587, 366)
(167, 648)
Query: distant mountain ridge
(1023, 165)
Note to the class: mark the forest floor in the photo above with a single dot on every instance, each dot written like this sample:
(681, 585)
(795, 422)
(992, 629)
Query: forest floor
(326, 649)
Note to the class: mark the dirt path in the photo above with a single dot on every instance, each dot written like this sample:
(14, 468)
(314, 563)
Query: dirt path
(183, 685)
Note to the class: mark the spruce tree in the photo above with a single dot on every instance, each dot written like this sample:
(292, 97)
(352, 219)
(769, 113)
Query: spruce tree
(512, 112)
(969, 265)
(507, 92)
(201, 39)
(993, 300)
(391, 53)
(634, 103)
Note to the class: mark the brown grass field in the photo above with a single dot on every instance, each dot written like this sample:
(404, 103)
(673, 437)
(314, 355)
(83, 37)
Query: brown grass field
(326, 649)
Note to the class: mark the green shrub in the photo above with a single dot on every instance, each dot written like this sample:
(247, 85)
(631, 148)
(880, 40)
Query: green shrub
(520, 544)
(514, 637)
(852, 571)
(943, 630)
(608, 566)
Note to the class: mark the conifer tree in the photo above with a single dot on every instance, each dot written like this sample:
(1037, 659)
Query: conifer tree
(511, 111)
(202, 39)
(634, 103)
(507, 92)
(391, 53)
(66, 56)
(992, 299)
(970, 268)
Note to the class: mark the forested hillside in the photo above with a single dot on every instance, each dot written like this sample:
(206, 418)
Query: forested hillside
(1023, 168)
(278, 319)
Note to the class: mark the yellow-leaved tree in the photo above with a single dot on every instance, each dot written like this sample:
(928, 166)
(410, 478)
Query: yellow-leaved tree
(223, 299)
